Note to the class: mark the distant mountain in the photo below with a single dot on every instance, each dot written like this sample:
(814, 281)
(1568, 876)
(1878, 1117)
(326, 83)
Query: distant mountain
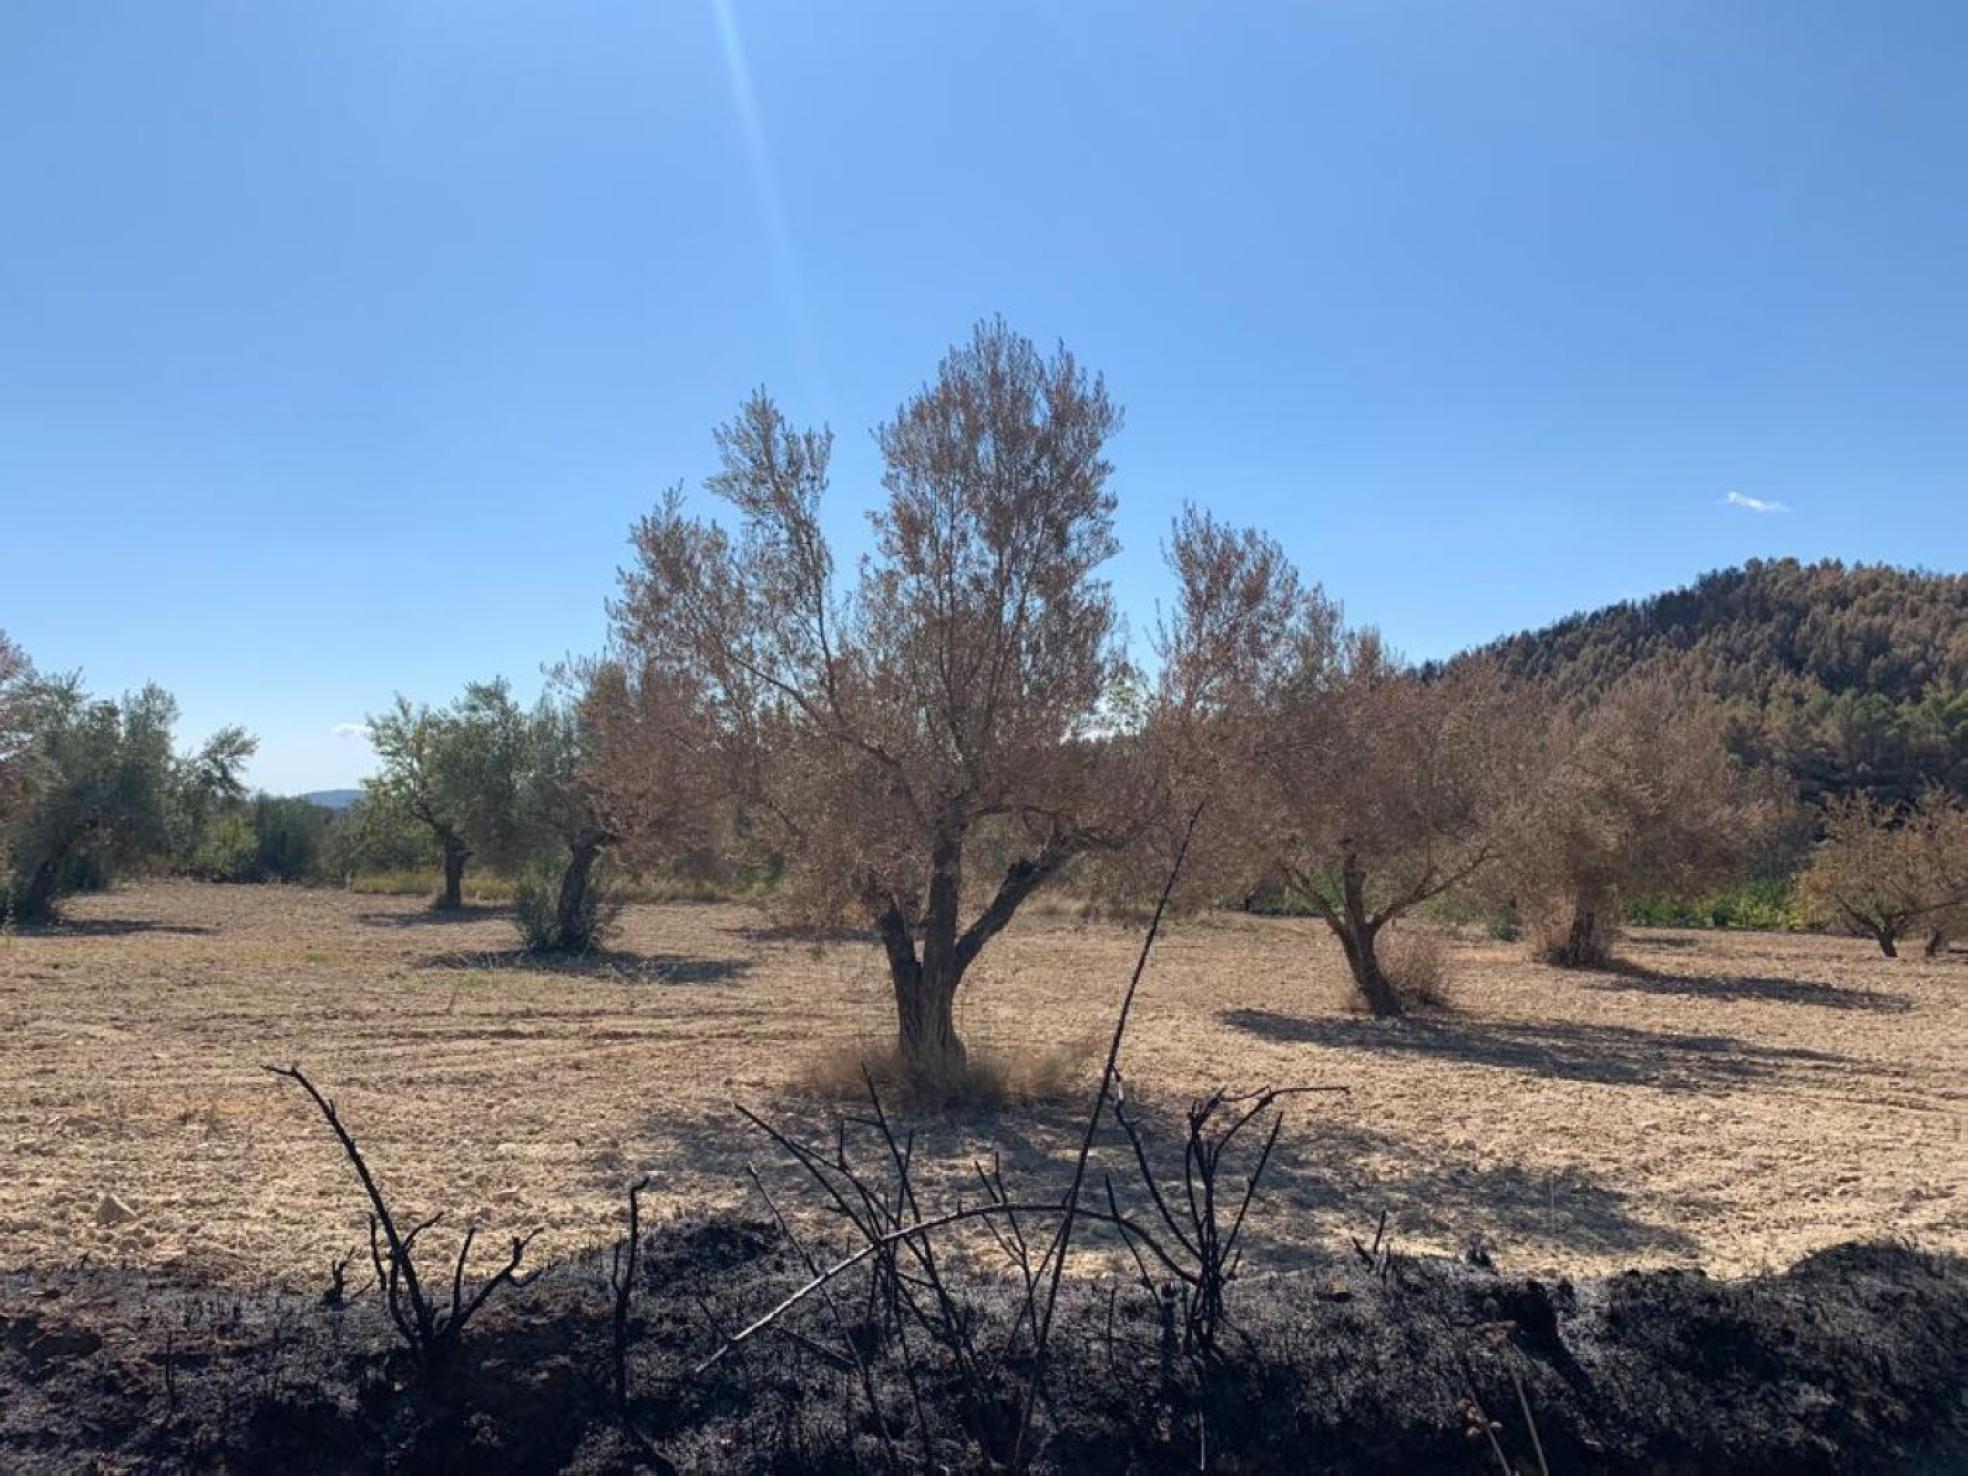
(1848, 676)
(332, 799)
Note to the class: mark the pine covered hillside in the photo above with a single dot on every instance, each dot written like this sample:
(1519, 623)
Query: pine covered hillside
(1846, 676)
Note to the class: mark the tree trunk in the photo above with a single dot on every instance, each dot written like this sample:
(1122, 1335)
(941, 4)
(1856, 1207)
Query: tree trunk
(1358, 929)
(36, 901)
(926, 1024)
(1587, 941)
(1889, 942)
(1373, 983)
(1582, 948)
(1937, 942)
(453, 896)
(569, 925)
(926, 983)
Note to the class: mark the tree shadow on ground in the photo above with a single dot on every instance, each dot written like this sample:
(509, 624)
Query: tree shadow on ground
(110, 927)
(1326, 1180)
(427, 917)
(1729, 988)
(615, 966)
(1662, 942)
(1614, 1055)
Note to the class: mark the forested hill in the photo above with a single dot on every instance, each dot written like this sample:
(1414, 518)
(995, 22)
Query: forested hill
(1847, 676)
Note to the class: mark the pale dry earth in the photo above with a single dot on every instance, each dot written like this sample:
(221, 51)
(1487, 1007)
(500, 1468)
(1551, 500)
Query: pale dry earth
(1727, 1100)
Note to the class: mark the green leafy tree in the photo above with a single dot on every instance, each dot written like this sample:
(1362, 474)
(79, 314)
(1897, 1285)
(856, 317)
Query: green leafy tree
(16, 674)
(265, 839)
(99, 787)
(373, 834)
(455, 771)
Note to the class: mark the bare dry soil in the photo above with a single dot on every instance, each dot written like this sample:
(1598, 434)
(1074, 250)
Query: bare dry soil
(1729, 1101)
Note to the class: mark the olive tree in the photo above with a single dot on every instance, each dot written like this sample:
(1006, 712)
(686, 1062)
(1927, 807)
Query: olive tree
(1635, 793)
(1386, 788)
(610, 761)
(455, 770)
(948, 698)
(96, 786)
(1881, 871)
(1362, 788)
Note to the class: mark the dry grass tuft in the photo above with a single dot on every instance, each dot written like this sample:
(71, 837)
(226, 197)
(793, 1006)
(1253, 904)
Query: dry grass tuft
(1554, 940)
(988, 1077)
(1416, 962)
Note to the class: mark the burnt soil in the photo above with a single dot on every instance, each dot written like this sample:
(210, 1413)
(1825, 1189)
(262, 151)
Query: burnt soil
(1856, 1358)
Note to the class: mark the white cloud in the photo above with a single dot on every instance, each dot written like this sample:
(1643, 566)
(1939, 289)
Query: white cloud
(1754, 504)
(350, 730)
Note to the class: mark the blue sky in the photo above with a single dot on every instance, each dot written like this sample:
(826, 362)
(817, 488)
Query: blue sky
(340, 344)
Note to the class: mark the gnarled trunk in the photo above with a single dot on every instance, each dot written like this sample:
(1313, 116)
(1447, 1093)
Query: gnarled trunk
(1888, 940)
(926, 1023)
(568, 923)
(1374, 987)
(1588, 940)
(925, 983)
(1937, 942)
(35, 902)
(453, 895)
(1357, 930)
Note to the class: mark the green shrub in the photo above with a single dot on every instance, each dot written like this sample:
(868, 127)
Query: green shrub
(536, 913)
(1761, 905)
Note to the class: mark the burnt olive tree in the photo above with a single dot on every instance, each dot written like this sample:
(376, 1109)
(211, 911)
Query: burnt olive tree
(1882, 871)
(1633, 794)
(945, 702)
(612, 760)
(1386, 790)
(1343, 775)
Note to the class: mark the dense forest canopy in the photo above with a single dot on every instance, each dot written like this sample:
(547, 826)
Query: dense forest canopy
(1849, 677)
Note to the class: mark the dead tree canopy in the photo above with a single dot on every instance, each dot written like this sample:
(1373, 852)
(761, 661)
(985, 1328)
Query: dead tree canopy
(1882, 871)
(613, 762)
(1338, 771)
(929, 742)
(1632, 793)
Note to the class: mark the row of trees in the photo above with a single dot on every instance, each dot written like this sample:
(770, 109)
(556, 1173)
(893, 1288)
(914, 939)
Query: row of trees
(1846, 677)
(89, 785)
(932, 740)
(586, 770)
(924, 741)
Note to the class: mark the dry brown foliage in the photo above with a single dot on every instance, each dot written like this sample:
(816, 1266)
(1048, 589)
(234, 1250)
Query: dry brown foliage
(1881, 872)
(985, 1076)
(954, 698)
(1634, 793)
(1331, 766)
(614, 759)
(1416, 962)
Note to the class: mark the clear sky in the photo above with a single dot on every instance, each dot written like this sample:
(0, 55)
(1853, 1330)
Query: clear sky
(340, 343)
